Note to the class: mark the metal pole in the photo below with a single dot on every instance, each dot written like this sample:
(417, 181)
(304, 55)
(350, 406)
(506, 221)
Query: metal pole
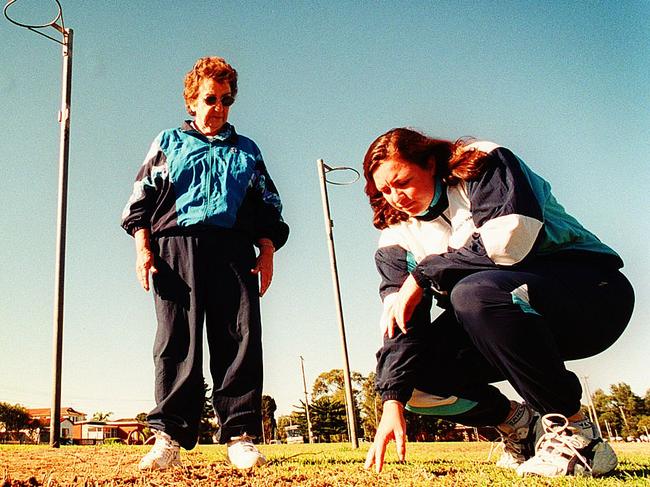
(304, 385)
(627, 426)
(59, 271)
(337, 294)
(591, 408)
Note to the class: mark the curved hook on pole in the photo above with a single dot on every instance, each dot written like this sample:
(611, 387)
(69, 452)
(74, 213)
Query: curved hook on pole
(34, 27)
(329, 169)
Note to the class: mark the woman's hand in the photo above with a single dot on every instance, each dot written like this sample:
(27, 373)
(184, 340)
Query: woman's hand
(408, 297)
(144, 258)
(391, 427)
(387, 320)
(264, 264)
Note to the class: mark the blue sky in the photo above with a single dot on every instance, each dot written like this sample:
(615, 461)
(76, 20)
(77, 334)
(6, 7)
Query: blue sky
(564, 85)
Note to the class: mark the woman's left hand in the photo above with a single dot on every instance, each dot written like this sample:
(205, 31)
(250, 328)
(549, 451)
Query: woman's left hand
(264, 265)
(408, 297)
(392, 426)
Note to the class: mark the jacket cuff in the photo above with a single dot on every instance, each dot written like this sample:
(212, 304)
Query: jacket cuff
(135, 228)
(393, 396)
(423, 281)
(278, 235)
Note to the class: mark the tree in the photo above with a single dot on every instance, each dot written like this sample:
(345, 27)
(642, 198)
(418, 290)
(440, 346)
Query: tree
(629, 405)
(268, 418)
(102, 416)
(643, 425)
(298, 418)
(284, 421)
(332, 384)
(141, 417)
(620, 410)
(15, 418)
(208, 425)
(371, 406)
(328, 418)
(426, 428)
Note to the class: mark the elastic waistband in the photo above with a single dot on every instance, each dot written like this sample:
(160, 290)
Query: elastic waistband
(206, 231)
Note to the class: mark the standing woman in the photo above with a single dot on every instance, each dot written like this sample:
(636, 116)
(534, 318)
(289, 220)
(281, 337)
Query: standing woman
(524, 288)
(202, 201)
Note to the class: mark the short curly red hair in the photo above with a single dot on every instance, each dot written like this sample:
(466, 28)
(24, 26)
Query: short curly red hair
(215, 68)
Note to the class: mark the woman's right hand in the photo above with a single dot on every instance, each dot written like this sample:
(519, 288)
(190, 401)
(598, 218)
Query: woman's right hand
(144, 258)
(391, 426)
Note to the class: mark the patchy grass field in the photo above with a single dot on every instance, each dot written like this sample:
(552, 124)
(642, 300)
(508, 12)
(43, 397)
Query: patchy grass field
(447, 464)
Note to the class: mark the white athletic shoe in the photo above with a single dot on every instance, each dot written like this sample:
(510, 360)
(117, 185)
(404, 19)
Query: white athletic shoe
(243, 454)
(518, 439)
(165, 453)
(569, 449)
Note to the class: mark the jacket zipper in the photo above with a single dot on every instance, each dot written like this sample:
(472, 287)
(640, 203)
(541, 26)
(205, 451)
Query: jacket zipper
(208, 180)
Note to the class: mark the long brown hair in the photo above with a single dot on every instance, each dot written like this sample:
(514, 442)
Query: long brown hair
(453, 163)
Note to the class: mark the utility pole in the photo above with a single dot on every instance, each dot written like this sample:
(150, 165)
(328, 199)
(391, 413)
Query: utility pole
(627, 426)
(590, 406)
(304, 385)
(609, 431)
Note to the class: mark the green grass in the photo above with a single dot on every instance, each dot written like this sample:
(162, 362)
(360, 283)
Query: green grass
(446, 464)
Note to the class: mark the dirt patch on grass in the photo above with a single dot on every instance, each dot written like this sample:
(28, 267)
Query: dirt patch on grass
(102, 466)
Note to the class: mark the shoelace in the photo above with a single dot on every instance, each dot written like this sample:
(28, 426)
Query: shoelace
(247, 446)
(162, 446)
(556, 438)
(510, 443)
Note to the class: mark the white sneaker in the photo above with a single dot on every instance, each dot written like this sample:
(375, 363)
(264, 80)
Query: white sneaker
(164, 453)
(518, 437)
(569, 449)
(243, 454)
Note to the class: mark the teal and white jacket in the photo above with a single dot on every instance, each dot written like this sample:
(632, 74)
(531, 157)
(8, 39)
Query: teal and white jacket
(506, 218)
(188, 180)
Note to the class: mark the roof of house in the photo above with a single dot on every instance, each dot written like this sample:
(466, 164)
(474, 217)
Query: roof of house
(46, 412)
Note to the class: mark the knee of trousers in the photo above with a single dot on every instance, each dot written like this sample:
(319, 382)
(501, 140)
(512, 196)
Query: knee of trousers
(475, 299)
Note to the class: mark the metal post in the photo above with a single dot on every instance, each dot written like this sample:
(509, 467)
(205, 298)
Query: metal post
(329, 224)
(627, 426)
(304, 385)
(609, 431)
(59, 271)
(591, 408)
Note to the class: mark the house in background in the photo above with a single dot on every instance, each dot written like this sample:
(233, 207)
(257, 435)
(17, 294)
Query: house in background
(92, 432)
(44, 415)
(75, 429)
(96, 432)
(69, 417)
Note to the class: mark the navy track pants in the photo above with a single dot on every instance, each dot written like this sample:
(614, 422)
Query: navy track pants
(521, 326)
(206, 278)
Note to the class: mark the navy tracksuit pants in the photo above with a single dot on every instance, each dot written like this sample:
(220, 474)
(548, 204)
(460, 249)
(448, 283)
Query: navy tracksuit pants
(521, 326)
(206, 278)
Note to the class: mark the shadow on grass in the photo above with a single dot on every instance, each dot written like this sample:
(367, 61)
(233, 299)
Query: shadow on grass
(631, 473)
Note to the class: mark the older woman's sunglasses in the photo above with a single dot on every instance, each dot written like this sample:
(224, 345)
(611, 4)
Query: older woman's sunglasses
(226, 100)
